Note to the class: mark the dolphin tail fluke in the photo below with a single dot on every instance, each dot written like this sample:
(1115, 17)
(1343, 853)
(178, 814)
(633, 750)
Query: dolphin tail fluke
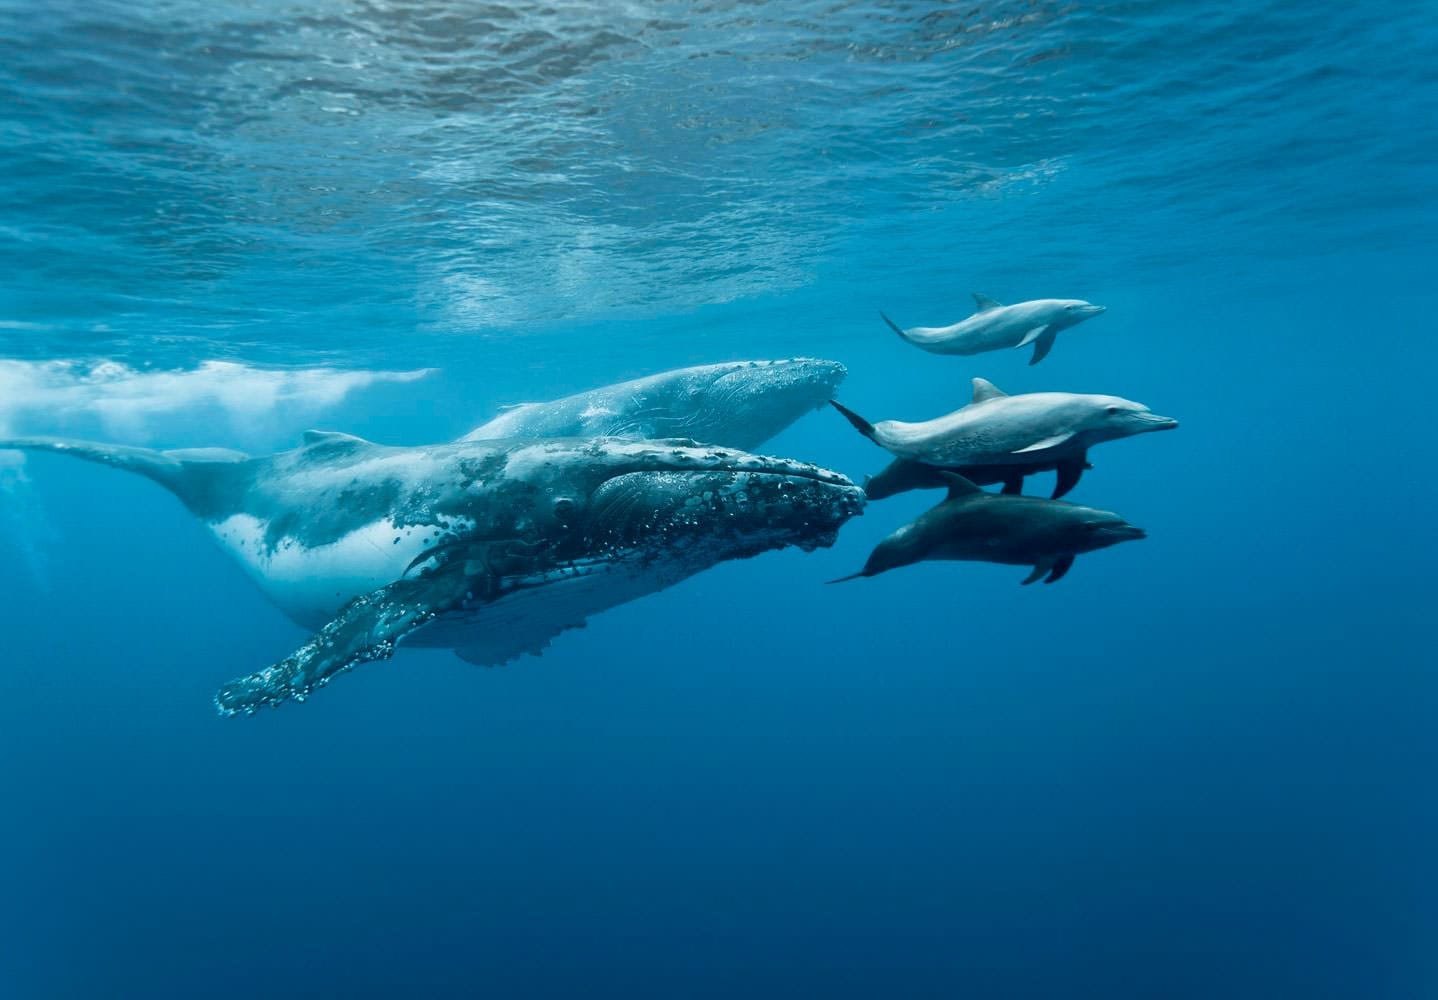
(894, 326)
(860, 424)
(171, 469)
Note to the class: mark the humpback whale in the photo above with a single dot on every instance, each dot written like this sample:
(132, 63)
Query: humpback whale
(1000, 438)
(738, 404)
(994, 326)
(999, 528)
(487, 547)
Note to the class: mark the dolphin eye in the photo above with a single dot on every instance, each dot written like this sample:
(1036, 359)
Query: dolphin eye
(1113, 409)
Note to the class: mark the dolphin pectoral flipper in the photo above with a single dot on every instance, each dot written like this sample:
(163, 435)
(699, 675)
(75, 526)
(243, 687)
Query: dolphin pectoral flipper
(366, 629)
(1043, 567)
(1046, 443)
(1043, 345)
(1032, 336)
(1069, 473)
(1062, 566)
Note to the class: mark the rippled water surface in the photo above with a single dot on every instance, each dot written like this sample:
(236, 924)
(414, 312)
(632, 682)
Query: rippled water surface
(272, 180)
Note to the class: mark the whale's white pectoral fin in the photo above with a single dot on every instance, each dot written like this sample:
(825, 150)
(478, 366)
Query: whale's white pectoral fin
(1031, 336)
(983, 303)
(1043, 345)
(1048, 442)
(366, 629)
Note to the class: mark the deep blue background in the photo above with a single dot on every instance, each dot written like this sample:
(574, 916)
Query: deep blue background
(1201, 766)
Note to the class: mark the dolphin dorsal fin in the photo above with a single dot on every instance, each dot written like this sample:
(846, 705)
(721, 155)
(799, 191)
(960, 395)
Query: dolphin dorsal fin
(958, 486)
(984, 390)
(983, 303)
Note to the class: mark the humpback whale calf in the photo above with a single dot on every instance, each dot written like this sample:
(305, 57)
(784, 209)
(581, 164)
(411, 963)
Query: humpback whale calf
(994, 527)
(738, 404)
(487, 547)
(994, 326)
(1001, 438)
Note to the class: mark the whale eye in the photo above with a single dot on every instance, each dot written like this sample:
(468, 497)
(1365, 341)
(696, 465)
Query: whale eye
(563, 507)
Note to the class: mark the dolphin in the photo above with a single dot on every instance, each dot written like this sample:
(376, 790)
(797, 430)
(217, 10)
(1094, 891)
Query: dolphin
(994, 326)
(738, 404)
(976, 526)
(1002, 438)
(489, 548)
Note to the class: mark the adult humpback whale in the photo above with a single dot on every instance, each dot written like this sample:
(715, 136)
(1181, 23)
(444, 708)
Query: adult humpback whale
(739, 404)
(487, 547)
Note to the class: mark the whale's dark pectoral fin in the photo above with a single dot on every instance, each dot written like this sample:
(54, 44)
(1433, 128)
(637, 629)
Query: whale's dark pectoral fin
(1069, 473)
(366, 629)
(1060, 568)
(1043, 345)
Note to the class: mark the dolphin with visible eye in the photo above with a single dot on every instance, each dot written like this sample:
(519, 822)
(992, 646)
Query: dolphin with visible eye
(995, 326)
(489, 548)
(1002, 438)
(975, 526)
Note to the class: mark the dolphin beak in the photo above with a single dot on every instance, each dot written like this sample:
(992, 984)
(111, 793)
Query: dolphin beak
(1093, 310)
(1128, 533)
(1164, 423)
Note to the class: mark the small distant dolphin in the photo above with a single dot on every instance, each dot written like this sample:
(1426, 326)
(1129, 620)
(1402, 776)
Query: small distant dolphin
(1002, 438)
(489, 548)
(995, 326)
(737, 404)
(976, 526)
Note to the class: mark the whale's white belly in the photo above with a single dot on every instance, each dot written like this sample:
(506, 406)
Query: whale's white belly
(312, 583)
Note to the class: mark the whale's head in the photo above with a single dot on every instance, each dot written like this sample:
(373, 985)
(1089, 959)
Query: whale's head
(742, 404)
(544, 510)
(1108, 418)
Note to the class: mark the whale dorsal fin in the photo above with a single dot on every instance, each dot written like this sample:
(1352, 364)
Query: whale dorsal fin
(983, 303)
(330, 437)
(984, 390)
(959, 487)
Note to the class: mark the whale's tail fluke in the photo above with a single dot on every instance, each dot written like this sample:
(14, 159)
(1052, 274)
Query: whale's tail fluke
(860, 424)
(174, 470)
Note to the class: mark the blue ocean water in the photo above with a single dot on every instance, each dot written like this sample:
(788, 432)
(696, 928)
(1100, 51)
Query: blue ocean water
(1201, 766)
